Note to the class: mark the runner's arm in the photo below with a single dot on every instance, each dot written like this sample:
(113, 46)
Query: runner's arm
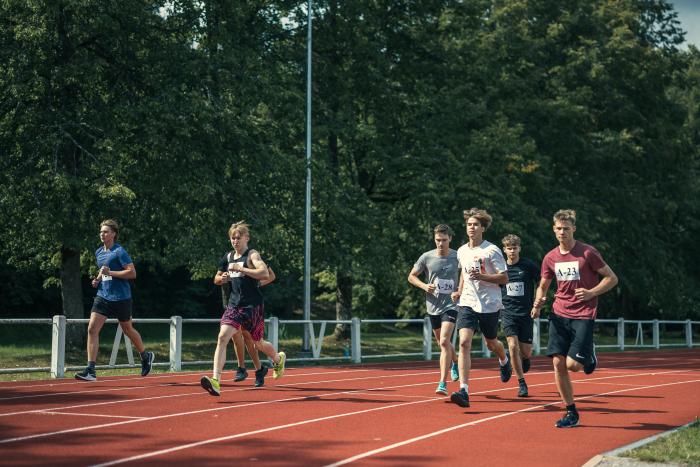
(540, 297)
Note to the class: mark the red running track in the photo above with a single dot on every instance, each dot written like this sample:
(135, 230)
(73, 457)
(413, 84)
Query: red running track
(382, 414)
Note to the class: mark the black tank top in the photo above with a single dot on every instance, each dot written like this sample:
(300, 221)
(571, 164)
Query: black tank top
(244, 289)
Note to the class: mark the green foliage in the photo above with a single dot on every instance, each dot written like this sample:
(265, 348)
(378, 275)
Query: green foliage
(179, 118)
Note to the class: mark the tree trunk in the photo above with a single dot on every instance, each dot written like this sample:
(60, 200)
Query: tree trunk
(72, 296)
(343, 303)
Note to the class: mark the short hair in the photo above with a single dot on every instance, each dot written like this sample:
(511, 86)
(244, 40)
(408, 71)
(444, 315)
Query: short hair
(443, 229)
(481, 215)
(113, 226)
(565, 215)
(511, 239)
(241, 227)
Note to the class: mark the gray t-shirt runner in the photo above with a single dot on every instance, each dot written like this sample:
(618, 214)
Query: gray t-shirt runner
(443, 271)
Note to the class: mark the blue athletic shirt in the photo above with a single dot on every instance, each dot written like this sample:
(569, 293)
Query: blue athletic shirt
(115, 259)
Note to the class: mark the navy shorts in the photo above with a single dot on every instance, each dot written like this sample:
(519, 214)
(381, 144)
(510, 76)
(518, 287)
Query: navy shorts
(570, 337)
(449, 316)
(246, 318)
(487, 323)
(517, 325)
(120, 309)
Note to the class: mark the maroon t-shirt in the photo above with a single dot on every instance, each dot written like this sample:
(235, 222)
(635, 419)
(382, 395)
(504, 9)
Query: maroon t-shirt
(576, 269)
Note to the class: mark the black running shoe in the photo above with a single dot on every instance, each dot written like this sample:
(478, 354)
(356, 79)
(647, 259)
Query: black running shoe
(569, 420)
(241, 374)
(86, 375)
(526, 365)
(589, 367)
(147, 363)
(260, 376)
(461, 398)
(506, 371)
(522, 389)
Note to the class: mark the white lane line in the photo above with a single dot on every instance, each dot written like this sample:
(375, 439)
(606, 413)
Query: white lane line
(347, 414)
(464, 425)
(88, 415)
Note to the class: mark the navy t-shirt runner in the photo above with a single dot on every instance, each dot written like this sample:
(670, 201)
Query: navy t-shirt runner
(245, 291)
(518, 293)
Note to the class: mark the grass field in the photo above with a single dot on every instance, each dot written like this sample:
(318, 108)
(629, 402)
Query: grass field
(682, 447)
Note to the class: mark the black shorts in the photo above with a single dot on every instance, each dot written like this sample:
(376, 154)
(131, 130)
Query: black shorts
(450, 316)
(486, 322)
(120, 309)
(517, 325)
(570, 337)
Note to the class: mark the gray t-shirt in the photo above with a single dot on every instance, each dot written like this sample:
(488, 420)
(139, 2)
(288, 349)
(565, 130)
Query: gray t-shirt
(443, 271)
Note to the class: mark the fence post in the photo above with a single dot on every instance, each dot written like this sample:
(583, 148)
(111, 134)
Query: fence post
(621, 333)
(655, 334)
(273, 333)
(427, 339)
(58, 346)
(356, 351)
(175, 343)
(536, 336)
(689, 333)
(484, 347)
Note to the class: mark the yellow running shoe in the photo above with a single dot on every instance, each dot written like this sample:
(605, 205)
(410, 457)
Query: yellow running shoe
(278, 368)
(211, 385)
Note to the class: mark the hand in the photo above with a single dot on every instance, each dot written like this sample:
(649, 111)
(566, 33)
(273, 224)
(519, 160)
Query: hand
(474, 274)
(583, 294)
(96, 282)
(455, 296)
(104, 271)
(535, 313)
(224, 277)
(539, 303)
(236, 267)
(430, 288)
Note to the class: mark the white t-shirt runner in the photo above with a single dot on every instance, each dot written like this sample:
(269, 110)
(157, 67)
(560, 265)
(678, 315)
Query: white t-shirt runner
(481, 296)
(443, 272)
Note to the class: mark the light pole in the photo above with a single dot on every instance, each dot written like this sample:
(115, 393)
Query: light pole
(307, 223)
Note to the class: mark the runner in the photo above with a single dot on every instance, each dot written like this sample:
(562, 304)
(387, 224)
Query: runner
(245, 309)
(483, 270)
(441, 269)
(113, 299)
(576, 267)
(518, 295)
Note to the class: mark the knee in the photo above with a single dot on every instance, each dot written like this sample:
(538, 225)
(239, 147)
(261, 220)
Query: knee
(465, 346)
(445, 344)
(93, 330)
(573, 365)
(492, 344)
(223, 339)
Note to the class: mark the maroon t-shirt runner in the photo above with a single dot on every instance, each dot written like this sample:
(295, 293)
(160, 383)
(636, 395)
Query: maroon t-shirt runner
(576, 269)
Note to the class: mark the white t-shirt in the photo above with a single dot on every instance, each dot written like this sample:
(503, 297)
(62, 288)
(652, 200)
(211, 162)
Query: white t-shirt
(481, 296)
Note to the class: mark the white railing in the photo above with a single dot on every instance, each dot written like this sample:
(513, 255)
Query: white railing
(58, 324)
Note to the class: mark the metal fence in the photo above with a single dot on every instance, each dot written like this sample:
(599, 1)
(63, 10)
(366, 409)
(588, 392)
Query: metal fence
(642, 331)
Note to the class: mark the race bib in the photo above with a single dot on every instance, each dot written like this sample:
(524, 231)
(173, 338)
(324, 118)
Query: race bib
(444, 286)
(106, 278)
(232, 273)
(515, 289)
(567, 271)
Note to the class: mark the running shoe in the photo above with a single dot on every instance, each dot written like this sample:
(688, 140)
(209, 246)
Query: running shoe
(506, 371)
(278, 368)
(592, 363)
(241, 374)
(569, 420)
(461, 398)
(260, 376)
(147, 363)
(441, 388)
(522, 389)
(86, 375)
(211, 385)
(454, 372)
(526, 365)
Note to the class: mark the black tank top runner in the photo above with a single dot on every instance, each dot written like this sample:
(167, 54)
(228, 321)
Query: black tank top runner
(244, 289)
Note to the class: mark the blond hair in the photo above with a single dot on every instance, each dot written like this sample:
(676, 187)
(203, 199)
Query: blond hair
(113, 226)
(565, 215)
(241, 227)
(511, 240)
(479, 214)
